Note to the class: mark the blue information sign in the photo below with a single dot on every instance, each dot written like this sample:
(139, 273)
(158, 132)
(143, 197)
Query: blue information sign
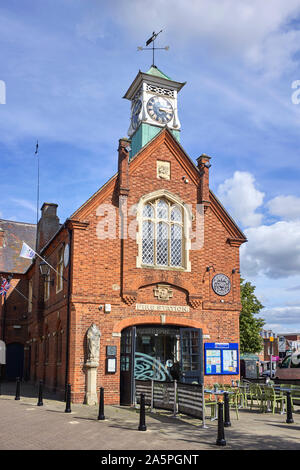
(221, 358)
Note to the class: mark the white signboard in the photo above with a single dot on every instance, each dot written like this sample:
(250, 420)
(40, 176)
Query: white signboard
(2, 352)
(163, 308)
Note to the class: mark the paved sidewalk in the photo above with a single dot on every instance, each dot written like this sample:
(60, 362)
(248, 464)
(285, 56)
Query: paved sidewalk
(24, 425)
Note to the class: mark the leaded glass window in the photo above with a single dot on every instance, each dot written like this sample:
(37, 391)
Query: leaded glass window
(162, 234)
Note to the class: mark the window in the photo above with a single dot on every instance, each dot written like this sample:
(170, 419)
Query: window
(36, 352)
(47, 287)
(60, 269)
(58, 337)
(162, 234)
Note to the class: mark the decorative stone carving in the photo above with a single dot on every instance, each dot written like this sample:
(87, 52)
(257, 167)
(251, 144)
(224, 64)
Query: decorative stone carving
(92, 363)
(221, 284)
(163, 292)
(163, 170)
(93, 344)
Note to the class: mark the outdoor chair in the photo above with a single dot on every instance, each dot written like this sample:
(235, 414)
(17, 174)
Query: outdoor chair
(213, 404)
(234, 400)
(274, 399)
(244, 391)
(256, 393)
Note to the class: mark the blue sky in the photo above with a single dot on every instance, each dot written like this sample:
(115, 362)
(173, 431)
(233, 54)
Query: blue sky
(66, 65)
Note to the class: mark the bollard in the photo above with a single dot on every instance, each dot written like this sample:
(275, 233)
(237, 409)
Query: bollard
(101, 405)
(221, 434)
(40, 399)
(18, 389)
(227, 422)
(142, 426)
(68, 399)
(289, 414)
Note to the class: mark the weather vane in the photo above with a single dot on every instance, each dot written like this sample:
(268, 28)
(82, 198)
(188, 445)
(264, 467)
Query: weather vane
(151, 40)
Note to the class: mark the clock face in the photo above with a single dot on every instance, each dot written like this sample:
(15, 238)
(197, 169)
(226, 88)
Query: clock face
(160, 109)
(135, 113)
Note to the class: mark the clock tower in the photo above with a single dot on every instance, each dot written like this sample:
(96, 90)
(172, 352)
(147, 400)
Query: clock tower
(153, 97)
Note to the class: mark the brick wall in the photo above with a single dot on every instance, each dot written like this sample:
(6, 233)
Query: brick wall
(106, 272)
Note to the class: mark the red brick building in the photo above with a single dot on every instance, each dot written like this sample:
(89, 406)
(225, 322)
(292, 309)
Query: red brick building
(151, 259)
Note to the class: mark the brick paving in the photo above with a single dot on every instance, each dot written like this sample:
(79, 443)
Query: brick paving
(25, 426)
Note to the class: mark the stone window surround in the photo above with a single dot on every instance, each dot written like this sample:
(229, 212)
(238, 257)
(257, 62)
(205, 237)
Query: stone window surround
(187, 222)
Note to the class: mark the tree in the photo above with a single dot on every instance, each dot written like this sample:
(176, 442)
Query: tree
(250, 326)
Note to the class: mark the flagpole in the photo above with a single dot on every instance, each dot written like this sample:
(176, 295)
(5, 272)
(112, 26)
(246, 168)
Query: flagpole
(38, 192)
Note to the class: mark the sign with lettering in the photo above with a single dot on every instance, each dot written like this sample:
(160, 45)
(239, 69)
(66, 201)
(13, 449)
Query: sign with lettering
(163, 308)
(111, 350)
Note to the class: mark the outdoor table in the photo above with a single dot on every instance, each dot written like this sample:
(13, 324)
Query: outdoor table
(218, 392)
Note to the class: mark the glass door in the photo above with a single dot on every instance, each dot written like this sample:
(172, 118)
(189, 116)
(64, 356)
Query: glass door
(126, 366)
(191, 355)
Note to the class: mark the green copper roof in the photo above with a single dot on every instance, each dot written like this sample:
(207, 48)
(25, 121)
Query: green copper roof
(157, 73)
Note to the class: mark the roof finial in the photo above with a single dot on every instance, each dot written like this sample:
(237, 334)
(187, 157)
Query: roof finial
(149, 41)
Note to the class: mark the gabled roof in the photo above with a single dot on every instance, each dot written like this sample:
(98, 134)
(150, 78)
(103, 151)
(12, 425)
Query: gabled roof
(190, 169)
(14, 233)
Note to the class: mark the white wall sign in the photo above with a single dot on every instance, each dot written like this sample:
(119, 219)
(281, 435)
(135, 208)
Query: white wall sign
(163, 308)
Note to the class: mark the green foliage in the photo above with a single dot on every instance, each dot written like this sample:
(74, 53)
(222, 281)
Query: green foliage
(250, 326)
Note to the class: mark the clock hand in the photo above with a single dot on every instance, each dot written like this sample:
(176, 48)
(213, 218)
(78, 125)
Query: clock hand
(165, 109)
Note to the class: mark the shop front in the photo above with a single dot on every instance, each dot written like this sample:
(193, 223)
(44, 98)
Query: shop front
(160, 353)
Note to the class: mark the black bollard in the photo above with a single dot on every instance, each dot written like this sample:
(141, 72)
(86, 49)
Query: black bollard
(40, 399)
(289, 414)
(18, 389)
(142, 426)
(227, 422)
(68, 399)
(101, 405)
(221, 434)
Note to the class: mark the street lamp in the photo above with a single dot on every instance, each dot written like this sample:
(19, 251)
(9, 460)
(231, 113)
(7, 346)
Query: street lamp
(45, 272)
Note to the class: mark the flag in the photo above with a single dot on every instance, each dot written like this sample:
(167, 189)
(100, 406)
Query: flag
(4, 287)
(27, 252)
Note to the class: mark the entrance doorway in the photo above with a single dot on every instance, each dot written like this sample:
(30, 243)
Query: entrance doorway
(14, 361)
(162, 353)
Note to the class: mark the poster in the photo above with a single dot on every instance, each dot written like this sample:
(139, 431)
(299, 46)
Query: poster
(221, 358)
(230, 360)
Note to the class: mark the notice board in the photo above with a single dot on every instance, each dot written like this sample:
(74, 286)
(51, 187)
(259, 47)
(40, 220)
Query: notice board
(221, 358)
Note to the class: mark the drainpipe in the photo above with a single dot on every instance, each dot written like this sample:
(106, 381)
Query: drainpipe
(68, 313)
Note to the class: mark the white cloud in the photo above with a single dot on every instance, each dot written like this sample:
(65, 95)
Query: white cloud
(242, 198)
(253, 30)
(287, 207)
(282, 319)
(272, 250)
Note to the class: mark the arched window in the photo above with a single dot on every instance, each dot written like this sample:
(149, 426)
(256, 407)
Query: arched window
(163, 241)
